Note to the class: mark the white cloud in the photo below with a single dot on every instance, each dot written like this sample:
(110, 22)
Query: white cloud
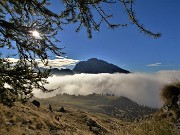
(59, 61)
(154, 65)
(13, 60)
(62, 62)
(143, 88)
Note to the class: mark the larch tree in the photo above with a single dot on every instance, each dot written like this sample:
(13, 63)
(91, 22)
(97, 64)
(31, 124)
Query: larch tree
(29, 28)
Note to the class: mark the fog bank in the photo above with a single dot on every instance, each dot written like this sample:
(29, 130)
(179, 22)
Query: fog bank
(142, 88)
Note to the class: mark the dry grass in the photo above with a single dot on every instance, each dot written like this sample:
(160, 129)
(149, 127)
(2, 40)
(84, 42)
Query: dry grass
(152, 127)
(30, 120)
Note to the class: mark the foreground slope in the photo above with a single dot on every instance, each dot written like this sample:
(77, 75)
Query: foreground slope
(31, 120)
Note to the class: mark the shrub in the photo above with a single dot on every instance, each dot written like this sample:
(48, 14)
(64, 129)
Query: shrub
(170, 93)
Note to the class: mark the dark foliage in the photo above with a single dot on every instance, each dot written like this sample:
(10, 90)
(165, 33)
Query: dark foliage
(81, 12)
(171, 93)
(18, 20)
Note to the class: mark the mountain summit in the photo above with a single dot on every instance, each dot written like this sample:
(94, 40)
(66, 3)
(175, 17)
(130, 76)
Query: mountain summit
(95, 66)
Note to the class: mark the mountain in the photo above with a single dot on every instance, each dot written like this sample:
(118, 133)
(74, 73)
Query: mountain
(95, 66)
(117, 107)
(56, 71)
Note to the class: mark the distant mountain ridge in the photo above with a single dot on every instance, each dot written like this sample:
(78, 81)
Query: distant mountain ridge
(95, 66)
(91, 66)
(56, 71)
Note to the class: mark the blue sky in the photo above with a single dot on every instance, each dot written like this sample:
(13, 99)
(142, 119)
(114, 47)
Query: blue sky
(127, 47)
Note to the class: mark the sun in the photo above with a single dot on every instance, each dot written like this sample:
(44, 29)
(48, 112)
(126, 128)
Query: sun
(36, 34)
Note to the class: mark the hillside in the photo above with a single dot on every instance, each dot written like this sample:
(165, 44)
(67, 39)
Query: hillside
(95, 66)
(28, 119)
(117, 107)
(31, 120)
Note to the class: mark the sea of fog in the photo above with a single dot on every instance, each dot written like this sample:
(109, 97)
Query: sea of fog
(142, 88)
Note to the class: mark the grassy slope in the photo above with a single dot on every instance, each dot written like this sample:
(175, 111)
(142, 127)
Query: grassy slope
(30, 120)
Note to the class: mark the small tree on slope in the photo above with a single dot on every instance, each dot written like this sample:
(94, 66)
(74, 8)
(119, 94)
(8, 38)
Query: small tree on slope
(171, 96)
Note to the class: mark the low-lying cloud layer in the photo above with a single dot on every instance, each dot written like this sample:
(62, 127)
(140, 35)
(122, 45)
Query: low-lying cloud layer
(142, 88)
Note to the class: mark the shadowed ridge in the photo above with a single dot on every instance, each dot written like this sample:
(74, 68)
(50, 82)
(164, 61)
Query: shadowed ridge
(95, 66)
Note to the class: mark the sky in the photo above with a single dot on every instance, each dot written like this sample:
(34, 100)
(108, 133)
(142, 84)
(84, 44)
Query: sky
(127, 47)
